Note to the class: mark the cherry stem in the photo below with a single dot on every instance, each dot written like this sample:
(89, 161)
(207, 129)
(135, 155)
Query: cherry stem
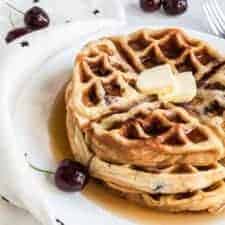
(11, 20)
(38, 169)
(12, 7)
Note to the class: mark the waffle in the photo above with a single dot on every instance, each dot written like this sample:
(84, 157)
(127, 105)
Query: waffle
(106, 69)
(210, 199)
(155, 134)
(175, 188)
(103, 83)
(163, 155)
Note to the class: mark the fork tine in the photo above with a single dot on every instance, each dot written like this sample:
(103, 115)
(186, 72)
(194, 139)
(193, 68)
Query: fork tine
(217, 16)
(210, 20)
(212, 26)
(221, 14)
(214, 16)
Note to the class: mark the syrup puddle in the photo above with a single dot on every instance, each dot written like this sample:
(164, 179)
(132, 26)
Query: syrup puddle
(57, 129)
(102, 196)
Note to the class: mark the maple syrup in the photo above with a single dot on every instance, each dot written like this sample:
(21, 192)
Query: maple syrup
(57, 129)
(101, 195)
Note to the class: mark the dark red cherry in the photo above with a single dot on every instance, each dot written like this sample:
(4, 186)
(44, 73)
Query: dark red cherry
(16, 33)
(71, 176)
(174, 7)
(36, 18)
(150, 5)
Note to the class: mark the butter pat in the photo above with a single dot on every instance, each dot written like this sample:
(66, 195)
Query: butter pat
(158, 80)
(185, 89)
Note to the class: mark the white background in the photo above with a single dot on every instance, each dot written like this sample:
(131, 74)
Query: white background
(194, 18)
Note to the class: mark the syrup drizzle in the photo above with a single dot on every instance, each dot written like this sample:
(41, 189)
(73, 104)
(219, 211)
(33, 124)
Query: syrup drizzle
(105, 198)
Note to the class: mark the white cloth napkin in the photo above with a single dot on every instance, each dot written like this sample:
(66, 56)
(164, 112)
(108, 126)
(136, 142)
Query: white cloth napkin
(19, 184)
(59, 12)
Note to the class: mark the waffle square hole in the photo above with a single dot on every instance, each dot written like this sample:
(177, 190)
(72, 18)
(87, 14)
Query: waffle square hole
(151, 59)
(212, 72)
(181, 169)
(125, 55)
(90, 97)
(171, 48)
(99, 69)
(155, 197)
(213, 187)
(174, 140)
(113, 88)
(197, 136)
(139, 43)
(206, 168)
(183, 196)
(216, 86)
(214, 109)
(140, 115)
(155, 127)
(115, 125)
(204, 56)
(130, 131)
(186, 65)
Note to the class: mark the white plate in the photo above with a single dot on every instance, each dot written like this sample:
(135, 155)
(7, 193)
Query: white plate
(29, 103)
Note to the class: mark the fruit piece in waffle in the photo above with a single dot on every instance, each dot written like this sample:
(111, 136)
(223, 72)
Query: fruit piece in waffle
(155, 134)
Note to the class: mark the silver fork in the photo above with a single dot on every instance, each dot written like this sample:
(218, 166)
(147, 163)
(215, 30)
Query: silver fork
(215, 16)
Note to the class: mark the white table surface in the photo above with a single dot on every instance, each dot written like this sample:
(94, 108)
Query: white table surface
(194, 18)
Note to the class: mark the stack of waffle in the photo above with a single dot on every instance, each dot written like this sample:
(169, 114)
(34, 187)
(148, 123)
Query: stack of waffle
(163, 155)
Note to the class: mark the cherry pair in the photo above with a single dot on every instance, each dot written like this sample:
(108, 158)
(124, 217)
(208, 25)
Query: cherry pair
(35, 19)
(171, 7)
